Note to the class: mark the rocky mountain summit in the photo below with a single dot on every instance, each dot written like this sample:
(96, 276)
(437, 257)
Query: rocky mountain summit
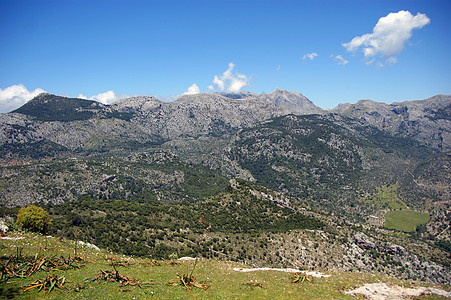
(88, 125)
(425, 120)
(204, 114)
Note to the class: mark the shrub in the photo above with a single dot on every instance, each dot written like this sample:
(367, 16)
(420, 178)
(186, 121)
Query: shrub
(34, 218)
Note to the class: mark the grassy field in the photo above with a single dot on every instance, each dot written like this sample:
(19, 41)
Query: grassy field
(405, 220)
(154, 276)
(385, 197)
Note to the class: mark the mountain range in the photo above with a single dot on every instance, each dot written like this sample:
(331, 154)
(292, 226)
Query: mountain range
(78, 124)
(344, 167)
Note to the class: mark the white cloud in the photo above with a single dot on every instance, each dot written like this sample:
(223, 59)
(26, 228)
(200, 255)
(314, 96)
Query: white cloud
(105, 98)
(15, 96)
(340, 59)
(81, 96)
(389, 35)
(230, 82)
(192, 90)
(278, 68)
(219, 83)
(310, 56)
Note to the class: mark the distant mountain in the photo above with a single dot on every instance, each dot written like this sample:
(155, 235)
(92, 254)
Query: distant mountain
(425, 120)
(47, 107)
(326, 156)
(84, 125)
(133, 104)
(205, 114)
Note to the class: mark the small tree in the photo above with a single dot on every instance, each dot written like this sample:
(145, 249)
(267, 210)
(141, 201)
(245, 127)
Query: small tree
(34, 218)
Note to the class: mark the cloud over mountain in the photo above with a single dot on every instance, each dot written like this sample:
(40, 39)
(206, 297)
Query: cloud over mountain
(192, 90)
(105, 98)
(389, 36)
(15, 96)
(229, 81)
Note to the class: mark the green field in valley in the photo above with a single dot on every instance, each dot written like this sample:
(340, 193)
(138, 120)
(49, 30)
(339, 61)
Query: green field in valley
(385, 197)
(405, 220)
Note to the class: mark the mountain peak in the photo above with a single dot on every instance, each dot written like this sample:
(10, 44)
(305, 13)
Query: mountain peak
(144, 103)
(49, 107)
(280, 91)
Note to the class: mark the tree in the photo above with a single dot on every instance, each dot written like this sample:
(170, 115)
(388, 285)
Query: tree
(34, 218)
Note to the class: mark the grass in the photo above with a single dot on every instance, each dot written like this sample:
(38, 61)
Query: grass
(385, 197)
(223, 281)
(405, 220)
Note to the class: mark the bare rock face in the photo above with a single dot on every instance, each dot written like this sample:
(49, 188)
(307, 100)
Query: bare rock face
(203, 114)
(417, 268)
(428, 121)
(84, 124)
(79, 124)
(139, 103)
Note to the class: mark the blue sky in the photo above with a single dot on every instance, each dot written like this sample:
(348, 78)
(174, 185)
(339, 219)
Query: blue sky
(105, 50)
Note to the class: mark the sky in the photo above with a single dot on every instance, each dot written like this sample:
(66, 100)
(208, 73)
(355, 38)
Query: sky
(331, 51)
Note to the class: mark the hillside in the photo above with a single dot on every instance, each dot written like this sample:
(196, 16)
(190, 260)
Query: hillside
(84, 272)
(273, 179)
(425, 120)
(250, 224)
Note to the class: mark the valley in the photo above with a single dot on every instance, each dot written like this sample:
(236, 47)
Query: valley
(267, 180)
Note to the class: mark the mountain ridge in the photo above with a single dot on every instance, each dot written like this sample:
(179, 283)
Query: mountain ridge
(345, 168)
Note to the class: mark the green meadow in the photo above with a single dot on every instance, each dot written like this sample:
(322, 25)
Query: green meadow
(138, 278)
(385, 197)
(405, 220)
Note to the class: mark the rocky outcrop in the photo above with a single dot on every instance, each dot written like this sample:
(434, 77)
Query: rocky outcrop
(408, 264)
(425, 120)
(86, 125)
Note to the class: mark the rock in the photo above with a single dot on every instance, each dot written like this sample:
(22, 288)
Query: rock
(3, 227)
(364, 241)
(89, 245)
(186, 258)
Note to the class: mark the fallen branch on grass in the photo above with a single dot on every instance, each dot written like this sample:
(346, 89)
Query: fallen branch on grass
(188, 280)
(301, 277)
(253, 284)
(48, 283)
(21, 267)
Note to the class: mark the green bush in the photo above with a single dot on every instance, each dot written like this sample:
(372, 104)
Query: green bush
(34, 218)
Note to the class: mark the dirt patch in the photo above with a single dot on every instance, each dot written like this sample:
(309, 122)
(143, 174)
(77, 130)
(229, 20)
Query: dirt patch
(382, 291)
(11, 238)
(288, 270)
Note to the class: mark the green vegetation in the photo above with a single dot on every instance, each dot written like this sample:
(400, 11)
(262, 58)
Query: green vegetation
(141, 176)
(63, 109)
(161, 229)
(145, 278)
(385, 197)
(35, 150)
(56, 108)
(445, 245)
(301, 154)
(34, 218)
(405, 220)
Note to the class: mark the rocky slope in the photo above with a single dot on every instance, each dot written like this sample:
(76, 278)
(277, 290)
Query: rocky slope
(425, 120)
(78, 124)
